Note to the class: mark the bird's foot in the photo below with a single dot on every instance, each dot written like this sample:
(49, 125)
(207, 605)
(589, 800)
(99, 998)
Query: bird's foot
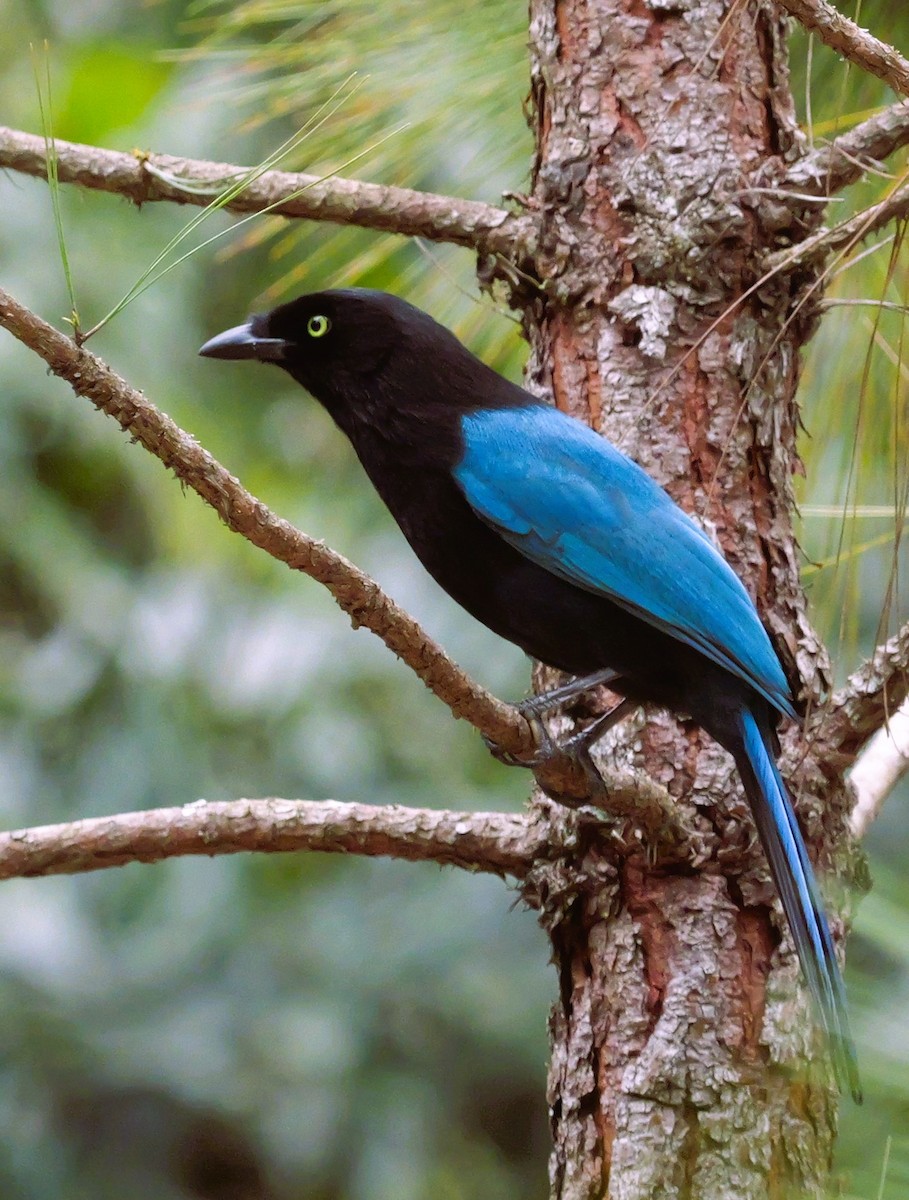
(576, 747)
(545, 746)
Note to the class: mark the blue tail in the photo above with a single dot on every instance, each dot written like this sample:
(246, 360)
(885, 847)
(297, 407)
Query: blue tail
(798, 889)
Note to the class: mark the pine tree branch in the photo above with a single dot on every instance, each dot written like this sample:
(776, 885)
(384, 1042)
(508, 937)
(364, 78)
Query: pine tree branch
(493, 842)
(500, 843)
(871, 695)
(853, 42)
(847, 234)
(879, 768)
(144, 178)
(357, 594)
(629, 796)
(870, 220)
(849, 157)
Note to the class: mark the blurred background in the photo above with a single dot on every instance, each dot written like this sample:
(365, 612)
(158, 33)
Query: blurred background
(314, 1027)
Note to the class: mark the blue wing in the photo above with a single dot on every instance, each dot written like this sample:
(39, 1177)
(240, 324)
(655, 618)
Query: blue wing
(572, 503)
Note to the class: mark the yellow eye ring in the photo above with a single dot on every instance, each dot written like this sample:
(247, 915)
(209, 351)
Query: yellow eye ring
(318, 326)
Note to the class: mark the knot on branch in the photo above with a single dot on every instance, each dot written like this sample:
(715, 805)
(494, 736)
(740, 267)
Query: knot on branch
(141, 190)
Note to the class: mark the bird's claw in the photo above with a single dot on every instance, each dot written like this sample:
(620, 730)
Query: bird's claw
(576, 748)
(545, 746)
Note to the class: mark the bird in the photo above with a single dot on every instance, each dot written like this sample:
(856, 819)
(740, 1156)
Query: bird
(560, 543)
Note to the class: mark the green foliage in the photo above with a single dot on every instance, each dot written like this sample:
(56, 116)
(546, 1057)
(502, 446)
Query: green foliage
(110, 87)
(855, 398)
(853, 497)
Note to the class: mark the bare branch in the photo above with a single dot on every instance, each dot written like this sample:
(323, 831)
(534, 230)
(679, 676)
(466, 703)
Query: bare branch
(872, 694)
(879, 768)
(355, 592)
(847, 234)
(481, 227)
(853, 42)
(501, 843)
(496, 843)
(853, 154)
(561, 776)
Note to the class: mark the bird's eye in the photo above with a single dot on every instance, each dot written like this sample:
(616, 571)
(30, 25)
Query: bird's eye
(318, 326)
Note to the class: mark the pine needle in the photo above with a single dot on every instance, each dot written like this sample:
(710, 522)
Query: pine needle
(149, 278)
(45, 108)
(227, 190)
(884, 1167)
(849, 554)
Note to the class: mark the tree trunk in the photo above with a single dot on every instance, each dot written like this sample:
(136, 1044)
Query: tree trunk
(679, 1040)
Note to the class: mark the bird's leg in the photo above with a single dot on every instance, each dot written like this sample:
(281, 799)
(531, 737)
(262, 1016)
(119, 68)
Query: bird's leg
(580, 744)
(535, 706)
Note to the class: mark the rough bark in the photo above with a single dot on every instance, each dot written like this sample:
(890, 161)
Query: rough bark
(679, 1042)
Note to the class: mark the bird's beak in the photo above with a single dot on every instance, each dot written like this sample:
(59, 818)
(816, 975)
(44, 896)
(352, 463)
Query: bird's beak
(241, 342)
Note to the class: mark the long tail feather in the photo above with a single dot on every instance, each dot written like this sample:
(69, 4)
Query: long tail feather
(800, 895)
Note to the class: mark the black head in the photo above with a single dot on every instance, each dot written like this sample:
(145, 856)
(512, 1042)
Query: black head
(394, 380)
(336, 343)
